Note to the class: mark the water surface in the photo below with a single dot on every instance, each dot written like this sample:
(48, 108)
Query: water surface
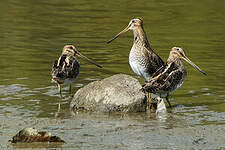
(33, 34)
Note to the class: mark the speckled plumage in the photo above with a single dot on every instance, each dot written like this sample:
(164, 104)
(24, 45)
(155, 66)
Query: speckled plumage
(167, 79)
(66, 69)
(170, 76)
(143, 60)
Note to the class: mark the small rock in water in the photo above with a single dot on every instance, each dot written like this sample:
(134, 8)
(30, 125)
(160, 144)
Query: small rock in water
(118, 93)
(29, 135)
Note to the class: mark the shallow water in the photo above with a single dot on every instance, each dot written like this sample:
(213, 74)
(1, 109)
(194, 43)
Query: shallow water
(33, 34)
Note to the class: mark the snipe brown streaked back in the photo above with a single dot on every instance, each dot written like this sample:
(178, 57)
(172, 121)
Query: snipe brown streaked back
(170, 76)
(66, 69)
(142, 59)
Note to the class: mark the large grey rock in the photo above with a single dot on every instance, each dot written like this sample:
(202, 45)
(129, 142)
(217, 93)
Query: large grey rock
(118, 93)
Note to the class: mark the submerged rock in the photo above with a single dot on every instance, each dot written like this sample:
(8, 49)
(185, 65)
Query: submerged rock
(118, 93)
(29, 135)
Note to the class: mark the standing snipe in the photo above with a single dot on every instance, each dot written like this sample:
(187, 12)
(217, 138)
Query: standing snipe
(170, 76)
(142, 59)
(66, 69)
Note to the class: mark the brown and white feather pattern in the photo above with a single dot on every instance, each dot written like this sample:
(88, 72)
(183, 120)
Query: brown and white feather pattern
(65, 69)
(143, 61)
(167, 79)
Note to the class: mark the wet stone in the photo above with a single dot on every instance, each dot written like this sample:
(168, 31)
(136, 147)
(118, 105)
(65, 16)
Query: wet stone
(29, 135)
(118, 93)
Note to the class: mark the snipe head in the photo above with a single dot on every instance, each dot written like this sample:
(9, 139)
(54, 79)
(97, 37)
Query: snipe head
(72, 50)
(178, 53)
(133, 24)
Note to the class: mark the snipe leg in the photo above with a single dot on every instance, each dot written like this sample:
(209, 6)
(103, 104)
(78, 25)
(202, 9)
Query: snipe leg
(148, 101)
(59, 107)
(70, 90)
(60, 93)
(167, 99)
(60, 90)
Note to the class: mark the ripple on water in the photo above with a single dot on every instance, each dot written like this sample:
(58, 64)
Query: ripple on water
(201, 115)
(24, 78)
(12, 89)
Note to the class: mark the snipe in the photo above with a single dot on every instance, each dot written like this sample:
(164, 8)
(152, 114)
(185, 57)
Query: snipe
(66, 69)
(142, 59)
(170, 76)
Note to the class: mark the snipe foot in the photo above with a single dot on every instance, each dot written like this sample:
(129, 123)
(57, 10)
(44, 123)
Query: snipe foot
(167, 99)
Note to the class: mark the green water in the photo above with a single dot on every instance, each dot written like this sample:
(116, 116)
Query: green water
(33, 33)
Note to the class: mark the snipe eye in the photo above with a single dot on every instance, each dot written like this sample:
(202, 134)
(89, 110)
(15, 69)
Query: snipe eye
(133, 21)
(178, 49)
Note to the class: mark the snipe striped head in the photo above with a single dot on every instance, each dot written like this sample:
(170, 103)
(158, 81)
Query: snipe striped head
(133, 24)
(177, 52)
(72, 50)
